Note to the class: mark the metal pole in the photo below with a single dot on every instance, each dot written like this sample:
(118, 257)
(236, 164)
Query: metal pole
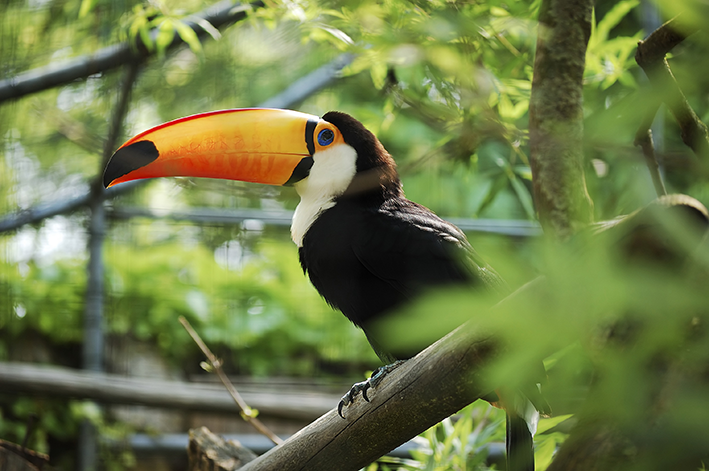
(93, 347)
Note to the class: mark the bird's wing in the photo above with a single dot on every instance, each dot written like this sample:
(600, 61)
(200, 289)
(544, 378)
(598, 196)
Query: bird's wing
(411, 248)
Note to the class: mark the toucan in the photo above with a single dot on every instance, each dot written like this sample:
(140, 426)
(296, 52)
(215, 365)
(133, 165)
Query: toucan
(367, 249)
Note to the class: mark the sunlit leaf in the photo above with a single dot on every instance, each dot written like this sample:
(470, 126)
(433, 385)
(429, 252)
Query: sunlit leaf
(86, 7)
(165, 34)
(378, 73)
(544, 452)
(189, 36)
(613, 17)
(208, 28)
(551, 422)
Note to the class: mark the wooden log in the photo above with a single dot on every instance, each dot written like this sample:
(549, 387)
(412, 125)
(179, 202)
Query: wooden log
(24, 378)
(421, 392)
(14, 457)
(210, 452)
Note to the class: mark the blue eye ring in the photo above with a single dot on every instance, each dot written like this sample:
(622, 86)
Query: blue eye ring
(325, 137)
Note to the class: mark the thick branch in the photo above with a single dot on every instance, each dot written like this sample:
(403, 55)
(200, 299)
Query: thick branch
(43, 78)
(18, 458)
(592, 447)
(556, 116)
(424, 390)
(210, 452)
(650, 55)
(653, 49)
(436, 383)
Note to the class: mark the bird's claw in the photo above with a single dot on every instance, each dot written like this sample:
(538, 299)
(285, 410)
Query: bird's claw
(362, 387)
(350, 396)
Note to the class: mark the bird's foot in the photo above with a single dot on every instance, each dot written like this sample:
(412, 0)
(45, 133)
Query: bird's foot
(362, 388)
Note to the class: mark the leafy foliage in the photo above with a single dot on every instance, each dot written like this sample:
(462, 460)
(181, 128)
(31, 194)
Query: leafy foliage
(446, 87)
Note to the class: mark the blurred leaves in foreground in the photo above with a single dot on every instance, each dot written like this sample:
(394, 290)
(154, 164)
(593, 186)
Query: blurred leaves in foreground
(445, 85)
(620, 317)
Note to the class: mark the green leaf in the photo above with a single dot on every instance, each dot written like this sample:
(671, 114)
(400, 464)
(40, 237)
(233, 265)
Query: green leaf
(86, 7)
(523, 196)
(378, 72)
(144, 31)
(188, 36)
(614, 17)
(551, 422)
(165, 35)
(544, 453)
(209, 28)
(498, 184)
(336, 33)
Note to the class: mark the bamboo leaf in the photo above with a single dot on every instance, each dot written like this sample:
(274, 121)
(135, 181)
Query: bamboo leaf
(165, 35)
(188, 36)
(523, 196)
(86, 7)
(551, 422)
(614, 17)
(209, 28)
(498, 184)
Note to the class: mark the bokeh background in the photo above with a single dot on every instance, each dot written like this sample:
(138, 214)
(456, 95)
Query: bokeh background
(445, 85)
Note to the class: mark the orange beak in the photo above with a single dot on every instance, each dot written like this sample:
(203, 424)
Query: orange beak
(268, 146)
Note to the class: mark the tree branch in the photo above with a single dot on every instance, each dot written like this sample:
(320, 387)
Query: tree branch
(650, 56)
(643, 139)
(423, 391)
(653, 49)
(210, 452)
(436, 383)
(247, 413)
(556, 117)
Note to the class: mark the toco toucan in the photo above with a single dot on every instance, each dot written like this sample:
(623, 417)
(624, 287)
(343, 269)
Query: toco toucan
(366, 248)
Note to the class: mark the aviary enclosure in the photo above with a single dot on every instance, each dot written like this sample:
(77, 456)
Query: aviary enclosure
(565, 138)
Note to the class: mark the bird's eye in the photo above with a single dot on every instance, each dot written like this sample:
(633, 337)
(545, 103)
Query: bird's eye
(325, 137)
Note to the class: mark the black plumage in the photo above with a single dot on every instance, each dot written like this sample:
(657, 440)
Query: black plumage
(375, 250)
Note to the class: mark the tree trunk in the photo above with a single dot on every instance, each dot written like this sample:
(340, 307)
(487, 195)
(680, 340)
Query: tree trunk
(556, 117)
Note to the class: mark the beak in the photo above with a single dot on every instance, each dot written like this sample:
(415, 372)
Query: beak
(268, 146)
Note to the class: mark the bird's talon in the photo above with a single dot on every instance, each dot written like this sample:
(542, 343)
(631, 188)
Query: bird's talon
(361, 388)
(339, 408)
(364, 391)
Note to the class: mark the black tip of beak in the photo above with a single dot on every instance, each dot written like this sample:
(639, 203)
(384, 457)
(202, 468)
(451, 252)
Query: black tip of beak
(129, 158)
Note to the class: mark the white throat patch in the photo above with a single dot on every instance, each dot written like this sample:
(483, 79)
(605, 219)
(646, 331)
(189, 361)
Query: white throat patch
(332, 172)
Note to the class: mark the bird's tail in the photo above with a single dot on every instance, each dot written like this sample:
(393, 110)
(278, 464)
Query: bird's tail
(520, 445)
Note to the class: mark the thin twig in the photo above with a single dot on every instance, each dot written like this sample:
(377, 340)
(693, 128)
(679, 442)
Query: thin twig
(247, 413)
(644, 141)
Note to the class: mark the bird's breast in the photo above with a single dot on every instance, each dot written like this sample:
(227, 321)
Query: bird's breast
(330, 255)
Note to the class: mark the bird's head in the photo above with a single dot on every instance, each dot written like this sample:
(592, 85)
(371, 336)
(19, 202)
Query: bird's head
(333, 156)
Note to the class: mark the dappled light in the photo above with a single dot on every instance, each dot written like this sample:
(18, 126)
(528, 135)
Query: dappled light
(571, 153)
